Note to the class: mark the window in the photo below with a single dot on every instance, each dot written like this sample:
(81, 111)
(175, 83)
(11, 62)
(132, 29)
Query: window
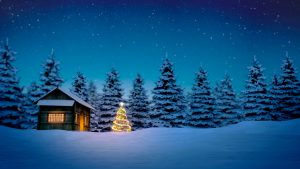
(76, 118)
(56, 118)
(86, 120)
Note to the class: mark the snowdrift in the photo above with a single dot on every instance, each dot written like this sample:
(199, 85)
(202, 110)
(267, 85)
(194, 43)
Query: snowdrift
(244, 145)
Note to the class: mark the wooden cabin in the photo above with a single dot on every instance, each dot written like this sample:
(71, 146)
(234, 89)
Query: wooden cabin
(60, 109)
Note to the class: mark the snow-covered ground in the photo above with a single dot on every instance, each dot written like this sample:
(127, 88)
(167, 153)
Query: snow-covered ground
(245, 145)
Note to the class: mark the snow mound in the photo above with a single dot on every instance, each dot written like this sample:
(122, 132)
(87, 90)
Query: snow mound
(244, 145)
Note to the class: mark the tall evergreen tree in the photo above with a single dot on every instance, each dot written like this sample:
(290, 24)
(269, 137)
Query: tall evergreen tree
(274, 97)
(188, 115)
(29, 108)
(138, 104)
(10, 91)
(255, 101)
(93, 100)
(288, 92)
(50, 77)
(226, 107)
(180, 117)
(201, 104)
(79, 86)
(110, 99)
(33, 90)
(165, 98)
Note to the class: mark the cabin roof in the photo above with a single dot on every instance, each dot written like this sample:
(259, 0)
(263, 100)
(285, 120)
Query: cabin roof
(56, 103)
(73, 96)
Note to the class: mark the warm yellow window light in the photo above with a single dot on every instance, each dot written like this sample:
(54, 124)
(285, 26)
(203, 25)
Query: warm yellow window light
(85, 120)
(76, 116)
(56, 118)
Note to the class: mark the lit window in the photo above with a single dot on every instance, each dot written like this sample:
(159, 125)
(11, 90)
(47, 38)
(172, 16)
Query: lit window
(85, 120)
(56, 118)
(76, 116)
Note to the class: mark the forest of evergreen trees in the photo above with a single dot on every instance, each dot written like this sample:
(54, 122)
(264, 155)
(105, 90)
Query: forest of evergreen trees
(170, 105)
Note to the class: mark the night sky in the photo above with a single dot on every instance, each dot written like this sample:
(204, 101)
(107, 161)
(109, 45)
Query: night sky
(133, 36)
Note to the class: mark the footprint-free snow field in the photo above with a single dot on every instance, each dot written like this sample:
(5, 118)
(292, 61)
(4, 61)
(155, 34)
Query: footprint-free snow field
(245, 145)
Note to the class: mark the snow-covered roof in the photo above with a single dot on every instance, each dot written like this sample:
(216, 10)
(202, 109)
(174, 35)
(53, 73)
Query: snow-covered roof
(56, 102)
(76, 98)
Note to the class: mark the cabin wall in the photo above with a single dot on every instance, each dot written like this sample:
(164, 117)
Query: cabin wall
(68, 123)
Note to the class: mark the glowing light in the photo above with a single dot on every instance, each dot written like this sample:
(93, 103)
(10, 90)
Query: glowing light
(121, 123)
(56, 118)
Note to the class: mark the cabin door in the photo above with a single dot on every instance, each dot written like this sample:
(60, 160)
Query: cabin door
(81, 122)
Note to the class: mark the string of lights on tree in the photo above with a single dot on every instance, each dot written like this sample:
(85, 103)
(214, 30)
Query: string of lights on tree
(121, 123)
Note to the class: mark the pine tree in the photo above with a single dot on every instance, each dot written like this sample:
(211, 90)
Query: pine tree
(93, 100)
(50, 77)
(226, 107)
(110, 99)
(180, 116)
(29, 108)
(10, 91)
(201, 104)
(165, 98)
(288, 92)
(33, 95)
(138, 104)
(79, 86)
(33, 90)
(255, 101)
(274, 97)
(188, 115)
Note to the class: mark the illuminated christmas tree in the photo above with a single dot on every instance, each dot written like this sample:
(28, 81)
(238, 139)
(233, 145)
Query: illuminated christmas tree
(121, 122)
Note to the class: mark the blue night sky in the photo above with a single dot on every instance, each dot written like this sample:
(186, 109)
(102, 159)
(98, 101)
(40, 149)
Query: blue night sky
(133, 36)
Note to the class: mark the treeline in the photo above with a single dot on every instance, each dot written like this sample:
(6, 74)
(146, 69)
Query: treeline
(170, 106)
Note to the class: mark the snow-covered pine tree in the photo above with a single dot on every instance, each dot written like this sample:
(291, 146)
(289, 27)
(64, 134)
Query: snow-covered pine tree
(29, 108)
(188, 98)
(79, 86)
(274, 97)
(201, 103)
(180, 117)
(138, 104)
(110, 99)
(288, 93)
(165, 98)
(33, 90)
(33, 94)
(50, 77)
(226, 108)
(93, 100)
(255, 101)
(10, 91)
